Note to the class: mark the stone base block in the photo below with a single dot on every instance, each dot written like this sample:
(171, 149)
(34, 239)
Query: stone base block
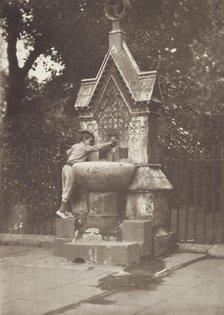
(146, 249)
(59, 245)
(137, 230)
(173, 242)
(103, 252)
(105, 223)
(164, 244)
(105, 203)
(140, 205)
(65, 228)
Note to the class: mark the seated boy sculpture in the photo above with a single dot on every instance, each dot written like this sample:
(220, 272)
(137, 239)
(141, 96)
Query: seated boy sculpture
(79, 152)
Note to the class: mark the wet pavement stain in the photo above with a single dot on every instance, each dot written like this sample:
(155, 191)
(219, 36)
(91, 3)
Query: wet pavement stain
(141, 277)
(101, 301)
(133, 277)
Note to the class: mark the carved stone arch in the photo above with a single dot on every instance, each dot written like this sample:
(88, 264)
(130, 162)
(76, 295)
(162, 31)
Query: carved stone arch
(110, 71)
(112, 113)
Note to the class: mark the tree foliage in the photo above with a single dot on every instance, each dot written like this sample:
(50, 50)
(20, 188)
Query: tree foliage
(44, 27)
(183, 39)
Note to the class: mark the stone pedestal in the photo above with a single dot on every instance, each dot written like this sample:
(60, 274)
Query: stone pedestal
(104, 209)
(139, 205)
(121, 101)
(164, 243)
(102, 252)
(137, 230)
(147, 199)
(140, 231)
(64, 234)
(147, 195)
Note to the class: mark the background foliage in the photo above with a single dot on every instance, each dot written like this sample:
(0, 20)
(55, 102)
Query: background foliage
(182, 39)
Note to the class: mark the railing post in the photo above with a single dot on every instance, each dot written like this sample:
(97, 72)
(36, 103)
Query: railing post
(186, 199)
(195, 194)
(204, 201)
(1, 190)
(222, 189)
(26, 190)
(213, 194)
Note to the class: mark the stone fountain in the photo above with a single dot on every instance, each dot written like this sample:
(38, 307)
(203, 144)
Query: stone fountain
(123, 191)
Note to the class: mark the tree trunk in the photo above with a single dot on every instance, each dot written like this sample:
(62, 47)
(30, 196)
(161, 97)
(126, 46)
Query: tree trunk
(16, 76)
(15, 81)
(15, 93)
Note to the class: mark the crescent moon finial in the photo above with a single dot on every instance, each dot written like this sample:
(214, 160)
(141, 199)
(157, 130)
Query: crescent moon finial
(116, 9)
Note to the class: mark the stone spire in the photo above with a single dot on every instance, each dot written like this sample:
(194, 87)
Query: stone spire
(114, 11)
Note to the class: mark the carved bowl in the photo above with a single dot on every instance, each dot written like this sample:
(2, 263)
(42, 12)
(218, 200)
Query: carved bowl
(103, 176)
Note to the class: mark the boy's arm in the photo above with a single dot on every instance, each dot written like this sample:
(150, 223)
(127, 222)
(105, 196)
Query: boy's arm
(68, 152)
(97, 147)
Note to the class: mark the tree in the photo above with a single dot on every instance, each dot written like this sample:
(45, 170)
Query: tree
(48, 28)
(44, 26)
(179, 38)
(13, 16)
(184, 41)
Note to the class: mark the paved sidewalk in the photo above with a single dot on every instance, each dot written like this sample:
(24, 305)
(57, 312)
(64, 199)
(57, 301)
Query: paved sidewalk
(34, 281)
(197, 289)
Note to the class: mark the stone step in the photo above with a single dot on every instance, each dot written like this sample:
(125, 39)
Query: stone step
(137, 230)
(140, 231)
(59, 245)
(165, 244)
(103, 252)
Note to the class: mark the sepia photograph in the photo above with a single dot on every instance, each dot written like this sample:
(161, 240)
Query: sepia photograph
(111, 157)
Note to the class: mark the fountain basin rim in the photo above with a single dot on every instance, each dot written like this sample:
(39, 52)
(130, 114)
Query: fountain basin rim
(103, 176)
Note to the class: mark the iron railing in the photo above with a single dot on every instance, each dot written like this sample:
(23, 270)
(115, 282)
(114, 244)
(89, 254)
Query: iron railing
(30, 187)
(197, 200)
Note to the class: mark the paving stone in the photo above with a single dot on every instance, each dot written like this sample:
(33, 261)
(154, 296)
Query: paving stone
(216, 251)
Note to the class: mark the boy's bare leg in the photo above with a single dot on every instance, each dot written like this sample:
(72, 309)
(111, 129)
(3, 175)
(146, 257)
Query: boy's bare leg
(67, 184)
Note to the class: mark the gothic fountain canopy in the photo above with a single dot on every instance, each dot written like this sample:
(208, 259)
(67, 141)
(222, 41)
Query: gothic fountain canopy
(124, 184)
(121, 100)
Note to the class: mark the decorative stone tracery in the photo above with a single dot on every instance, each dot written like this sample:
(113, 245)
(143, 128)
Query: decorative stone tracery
(113, 115)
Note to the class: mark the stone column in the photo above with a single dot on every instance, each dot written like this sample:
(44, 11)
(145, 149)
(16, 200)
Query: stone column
(147, 197)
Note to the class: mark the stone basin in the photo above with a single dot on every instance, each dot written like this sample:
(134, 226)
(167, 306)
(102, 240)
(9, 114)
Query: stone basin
(103, 176)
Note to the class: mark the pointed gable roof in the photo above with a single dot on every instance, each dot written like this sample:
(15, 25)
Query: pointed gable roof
(141, 85)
